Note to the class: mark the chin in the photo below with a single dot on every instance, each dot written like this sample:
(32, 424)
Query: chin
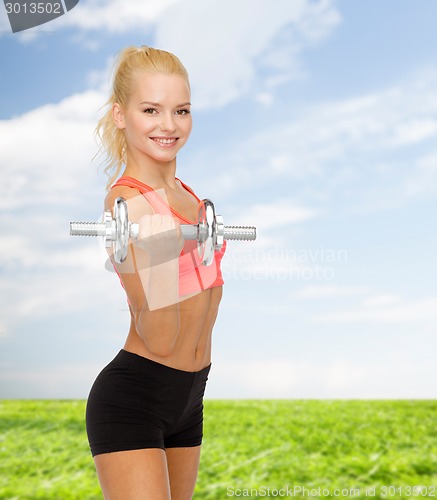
(163, 158)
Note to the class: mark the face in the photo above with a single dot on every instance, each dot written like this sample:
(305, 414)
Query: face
(156, 120)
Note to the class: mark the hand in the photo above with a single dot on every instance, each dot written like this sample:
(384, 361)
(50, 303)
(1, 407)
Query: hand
(160, 236)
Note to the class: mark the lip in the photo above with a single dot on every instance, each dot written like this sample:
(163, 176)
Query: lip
(166, 145)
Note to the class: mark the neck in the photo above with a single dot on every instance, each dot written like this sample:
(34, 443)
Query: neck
(153, 173)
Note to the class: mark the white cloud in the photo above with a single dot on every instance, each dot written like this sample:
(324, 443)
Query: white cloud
(44, 293)
(58, 381)
(384, 299)
(374, 151)
(398, 377)
(325, 291)
(5, 27)
(422, 180)
(113, 16)
(101, 79)
(414, 131)
(380, 310)
(224, 44)
(48, 152)
(270, 256)
(265, 98)
(278, 213)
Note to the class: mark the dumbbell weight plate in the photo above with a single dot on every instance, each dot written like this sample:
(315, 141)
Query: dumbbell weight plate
(219, 232)
(206, 232)
(121, 236)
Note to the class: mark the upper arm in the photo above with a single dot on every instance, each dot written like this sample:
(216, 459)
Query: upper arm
(137, 203)
(136, 259)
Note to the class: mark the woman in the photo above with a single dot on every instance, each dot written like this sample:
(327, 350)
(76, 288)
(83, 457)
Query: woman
(145, 409)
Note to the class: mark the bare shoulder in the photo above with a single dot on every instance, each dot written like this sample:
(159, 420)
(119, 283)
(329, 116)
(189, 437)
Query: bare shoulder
(125, 192)
(137, 204)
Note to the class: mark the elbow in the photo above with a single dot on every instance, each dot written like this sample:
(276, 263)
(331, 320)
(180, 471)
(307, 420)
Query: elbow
(162, 348)
(160, 339)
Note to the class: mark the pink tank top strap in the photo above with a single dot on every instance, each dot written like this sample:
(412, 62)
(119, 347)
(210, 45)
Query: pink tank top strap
(189, 190)
(157, 203)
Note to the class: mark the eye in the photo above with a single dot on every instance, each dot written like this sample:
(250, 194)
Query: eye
(150, 111)
(182, 112)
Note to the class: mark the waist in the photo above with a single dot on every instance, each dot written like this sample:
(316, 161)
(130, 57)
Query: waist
(149, 368)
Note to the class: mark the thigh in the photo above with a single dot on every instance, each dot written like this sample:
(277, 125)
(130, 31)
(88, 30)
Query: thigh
(183, 466)
(134, 475)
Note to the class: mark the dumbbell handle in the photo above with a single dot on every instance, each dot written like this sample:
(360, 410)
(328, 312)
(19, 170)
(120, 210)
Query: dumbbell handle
(189, 231)
(210, 232)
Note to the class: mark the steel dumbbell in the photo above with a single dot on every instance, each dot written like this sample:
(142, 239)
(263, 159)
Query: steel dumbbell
(210, 231)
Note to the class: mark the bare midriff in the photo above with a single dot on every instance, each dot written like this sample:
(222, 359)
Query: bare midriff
(192, 349)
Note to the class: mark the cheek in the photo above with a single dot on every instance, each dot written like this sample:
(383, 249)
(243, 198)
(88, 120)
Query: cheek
(140, 123)
(188, 127)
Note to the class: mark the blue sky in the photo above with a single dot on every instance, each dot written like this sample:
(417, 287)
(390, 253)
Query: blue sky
(316, 121)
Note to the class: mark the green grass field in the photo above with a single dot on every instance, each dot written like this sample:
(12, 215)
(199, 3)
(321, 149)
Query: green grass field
(251, 448)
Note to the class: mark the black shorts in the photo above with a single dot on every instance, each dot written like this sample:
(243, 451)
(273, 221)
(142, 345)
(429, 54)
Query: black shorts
(138, 403)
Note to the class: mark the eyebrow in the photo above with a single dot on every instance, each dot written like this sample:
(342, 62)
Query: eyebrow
(157, 105)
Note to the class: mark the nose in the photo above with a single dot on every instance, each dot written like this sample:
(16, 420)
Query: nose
(167, 122)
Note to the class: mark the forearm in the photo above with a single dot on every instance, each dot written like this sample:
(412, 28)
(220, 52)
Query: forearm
(157, 321)
(158, 329)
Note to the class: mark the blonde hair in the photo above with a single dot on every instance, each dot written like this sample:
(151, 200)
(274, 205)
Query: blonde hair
(130, 61)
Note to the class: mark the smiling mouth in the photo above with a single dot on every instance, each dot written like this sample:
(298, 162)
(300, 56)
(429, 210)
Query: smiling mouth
(165, 141)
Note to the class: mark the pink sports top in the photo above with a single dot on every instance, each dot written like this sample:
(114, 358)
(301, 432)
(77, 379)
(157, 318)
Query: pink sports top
(193, 276)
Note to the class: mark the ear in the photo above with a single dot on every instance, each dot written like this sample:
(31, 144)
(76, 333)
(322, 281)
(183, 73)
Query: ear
(118, 116)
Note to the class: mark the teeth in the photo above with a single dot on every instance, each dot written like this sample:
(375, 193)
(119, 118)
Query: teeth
(165, 141)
